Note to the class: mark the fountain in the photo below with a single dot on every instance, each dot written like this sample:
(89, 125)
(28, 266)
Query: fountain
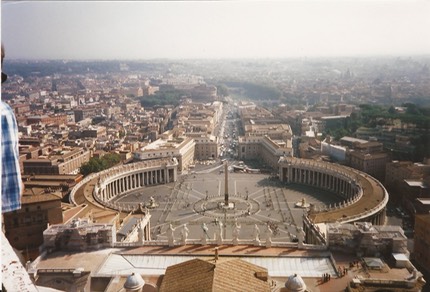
(302, 204)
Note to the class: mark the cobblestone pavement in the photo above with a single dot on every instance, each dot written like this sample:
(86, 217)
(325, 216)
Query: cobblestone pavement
(254, 199)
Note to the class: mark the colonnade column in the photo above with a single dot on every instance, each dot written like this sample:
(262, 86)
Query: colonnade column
(136, 180)
(327, 179)
(335, 184)
(344, 187)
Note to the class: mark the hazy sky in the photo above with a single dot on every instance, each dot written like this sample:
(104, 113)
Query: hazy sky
(215, 29)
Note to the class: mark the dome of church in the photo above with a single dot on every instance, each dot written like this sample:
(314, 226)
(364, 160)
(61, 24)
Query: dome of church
(295, 283)
(134, 282)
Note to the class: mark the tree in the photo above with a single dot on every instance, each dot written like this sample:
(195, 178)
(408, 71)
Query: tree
(222, 90)
(96, 164)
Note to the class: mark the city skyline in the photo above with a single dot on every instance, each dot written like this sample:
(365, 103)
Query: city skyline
(213, 30)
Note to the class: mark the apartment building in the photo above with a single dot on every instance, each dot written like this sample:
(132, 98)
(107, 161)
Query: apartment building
(397, 171)
(24, 228)
(422, 241)
(368, 157)
(206, 146)
(265, 148)
(62, 161)
(182, 148)
(57, 119)
(371, 163)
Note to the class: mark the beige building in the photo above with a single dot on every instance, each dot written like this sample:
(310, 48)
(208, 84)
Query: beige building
(367, 156)
(62, 161)
(182, 148)
(265, 148)
(198, 117)
(274, 131)
(371, 163)
(206, 146)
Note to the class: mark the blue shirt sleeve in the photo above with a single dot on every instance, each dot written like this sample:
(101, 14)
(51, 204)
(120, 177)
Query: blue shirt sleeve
(11, 184)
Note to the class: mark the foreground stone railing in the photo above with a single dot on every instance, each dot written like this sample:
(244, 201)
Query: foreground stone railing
(229, 242)
(14, 275)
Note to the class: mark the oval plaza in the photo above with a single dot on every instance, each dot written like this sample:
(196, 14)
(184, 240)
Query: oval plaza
(361, 197)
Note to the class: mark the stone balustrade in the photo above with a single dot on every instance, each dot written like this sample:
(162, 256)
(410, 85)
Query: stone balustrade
(215, 242)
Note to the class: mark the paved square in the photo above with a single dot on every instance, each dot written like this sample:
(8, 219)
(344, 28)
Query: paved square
(255, 199)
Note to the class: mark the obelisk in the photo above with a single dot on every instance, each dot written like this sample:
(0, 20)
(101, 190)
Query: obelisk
(226, 184)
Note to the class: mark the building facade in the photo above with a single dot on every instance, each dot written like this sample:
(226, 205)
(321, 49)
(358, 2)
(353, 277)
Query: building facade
(24, 228)
(206, 147)
(78, 235)
(422, 241)
(264, 148)
(58, 162)
(180, 148)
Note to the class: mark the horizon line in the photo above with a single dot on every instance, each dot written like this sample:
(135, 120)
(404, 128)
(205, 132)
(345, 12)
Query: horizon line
(424, 55)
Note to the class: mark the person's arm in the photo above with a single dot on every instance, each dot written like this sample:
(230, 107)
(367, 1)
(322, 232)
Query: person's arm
(12, 186)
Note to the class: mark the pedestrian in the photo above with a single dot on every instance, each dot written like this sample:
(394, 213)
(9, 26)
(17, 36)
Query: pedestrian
(11, 183)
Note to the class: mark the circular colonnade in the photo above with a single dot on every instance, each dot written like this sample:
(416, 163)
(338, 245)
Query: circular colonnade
(363, 197)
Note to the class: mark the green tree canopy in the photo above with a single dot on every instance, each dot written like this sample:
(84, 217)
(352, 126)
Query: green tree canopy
(96, 164)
